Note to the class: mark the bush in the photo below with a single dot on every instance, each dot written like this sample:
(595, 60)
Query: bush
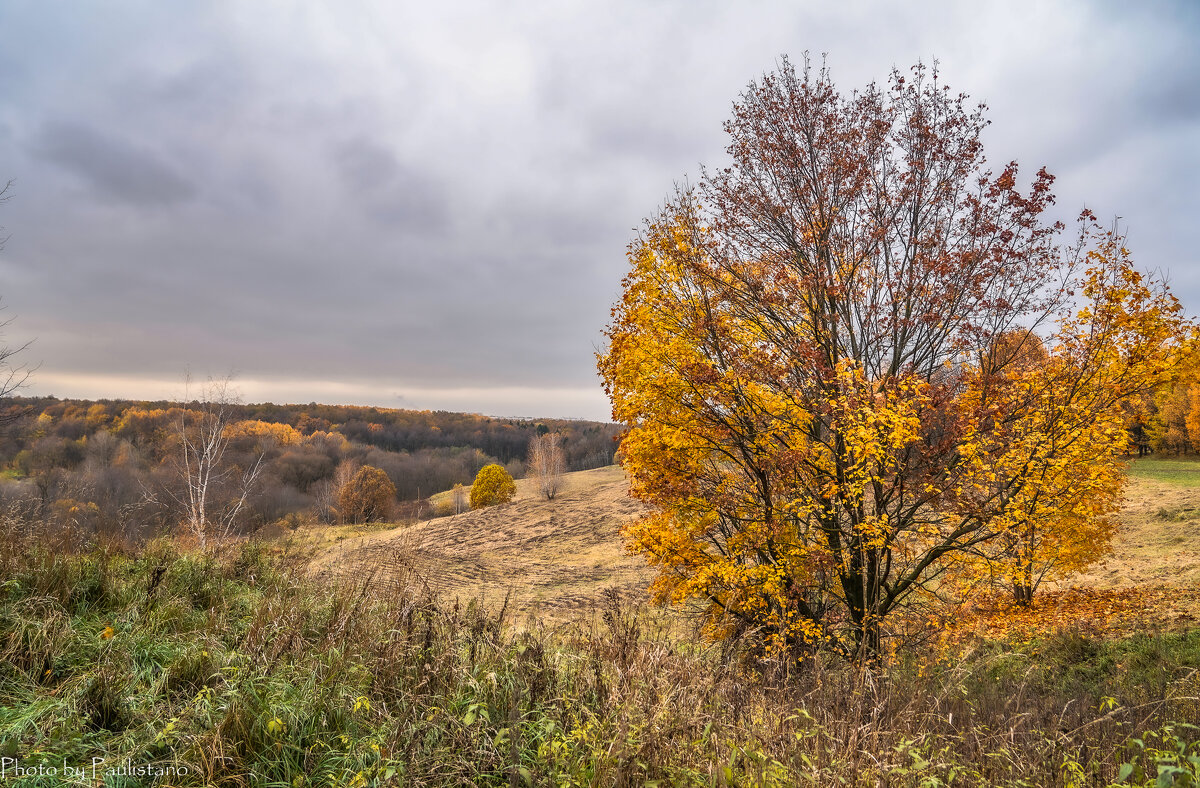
(493, 485)
(367, 497)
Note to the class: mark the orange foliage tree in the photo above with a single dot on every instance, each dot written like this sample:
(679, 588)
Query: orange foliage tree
(369, 496)
(859, 369)
(1171, 422)
(281, 434)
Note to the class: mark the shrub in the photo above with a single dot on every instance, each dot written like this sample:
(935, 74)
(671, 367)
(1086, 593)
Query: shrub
(546, 463)
(492, 485)
(367, 497)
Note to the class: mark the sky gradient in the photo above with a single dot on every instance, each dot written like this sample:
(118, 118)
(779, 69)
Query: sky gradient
(427, 205)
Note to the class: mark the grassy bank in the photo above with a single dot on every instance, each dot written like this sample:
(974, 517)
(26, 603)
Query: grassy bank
(1179, 471)
(233, 671)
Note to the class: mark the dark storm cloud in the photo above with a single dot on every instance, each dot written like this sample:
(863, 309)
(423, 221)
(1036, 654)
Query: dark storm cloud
(369, 203)
(113, 167)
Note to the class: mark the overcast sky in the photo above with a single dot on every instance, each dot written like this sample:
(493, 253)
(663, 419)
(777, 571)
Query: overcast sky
(427, 205)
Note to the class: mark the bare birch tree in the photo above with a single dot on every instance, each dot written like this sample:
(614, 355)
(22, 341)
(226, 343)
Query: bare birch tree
(215, 490)
(12, 376)
(546, 463)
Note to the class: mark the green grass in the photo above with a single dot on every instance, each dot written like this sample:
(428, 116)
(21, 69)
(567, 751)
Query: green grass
(1181, 471)
(240, 672)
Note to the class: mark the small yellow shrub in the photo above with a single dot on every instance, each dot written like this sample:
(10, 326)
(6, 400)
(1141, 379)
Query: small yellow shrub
(492, 485)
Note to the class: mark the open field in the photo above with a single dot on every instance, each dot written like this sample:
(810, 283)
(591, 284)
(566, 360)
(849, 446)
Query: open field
(549, 557)
(557, 557)
(1158, 540)
(1177, 471)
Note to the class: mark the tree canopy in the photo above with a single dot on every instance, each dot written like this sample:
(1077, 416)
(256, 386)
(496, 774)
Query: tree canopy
(492, 486)
(368, 497)
(860, 368)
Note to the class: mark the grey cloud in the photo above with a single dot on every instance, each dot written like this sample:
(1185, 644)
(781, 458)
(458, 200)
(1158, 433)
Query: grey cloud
(1174, 97)
(212, 85)
(366, 166)
(647, 137)
(384, 196)
(112, 166)
(391, 193)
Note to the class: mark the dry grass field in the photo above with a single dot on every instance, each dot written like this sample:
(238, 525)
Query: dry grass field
(1158, 541)
(549, 557)
(248, 669)
(557, 558)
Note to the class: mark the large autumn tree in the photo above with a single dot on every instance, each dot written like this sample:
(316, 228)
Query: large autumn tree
(860, 368)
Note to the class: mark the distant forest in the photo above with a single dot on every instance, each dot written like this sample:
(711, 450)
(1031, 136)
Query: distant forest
(115, 465)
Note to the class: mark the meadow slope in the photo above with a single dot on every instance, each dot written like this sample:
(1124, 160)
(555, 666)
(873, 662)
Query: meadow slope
(254, 665)
(549, 557)
(557, 557)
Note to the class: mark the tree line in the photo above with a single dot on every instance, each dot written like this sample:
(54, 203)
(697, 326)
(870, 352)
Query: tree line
(133, 467)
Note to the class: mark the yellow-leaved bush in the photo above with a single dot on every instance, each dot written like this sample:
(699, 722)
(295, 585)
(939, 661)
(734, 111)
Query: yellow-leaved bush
(493, 485)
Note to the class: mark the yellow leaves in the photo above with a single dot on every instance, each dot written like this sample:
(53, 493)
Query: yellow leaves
(282, 434)
(493, 485)
(874, 421)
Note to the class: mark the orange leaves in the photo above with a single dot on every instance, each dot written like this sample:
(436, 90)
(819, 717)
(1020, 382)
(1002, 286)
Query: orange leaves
(1090, 611)
(282, 434)
(368, 496)
(1173, 415)
(805, 500)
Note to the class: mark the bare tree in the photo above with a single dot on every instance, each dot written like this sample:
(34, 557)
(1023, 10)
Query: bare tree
(214, 490)
(546, 463)
(12, 376)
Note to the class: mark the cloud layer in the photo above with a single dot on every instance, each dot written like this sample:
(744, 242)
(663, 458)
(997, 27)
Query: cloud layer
(428, 207)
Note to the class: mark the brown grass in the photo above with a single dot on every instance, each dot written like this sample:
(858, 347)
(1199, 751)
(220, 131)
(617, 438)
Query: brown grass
(556, 558)
(547, 557)
(1158, 540)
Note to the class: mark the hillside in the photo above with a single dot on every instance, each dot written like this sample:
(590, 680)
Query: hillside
(559, 556)
(552, 556)
(244, 666)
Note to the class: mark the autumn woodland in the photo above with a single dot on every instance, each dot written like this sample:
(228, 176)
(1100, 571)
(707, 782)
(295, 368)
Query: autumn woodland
(889, 441)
